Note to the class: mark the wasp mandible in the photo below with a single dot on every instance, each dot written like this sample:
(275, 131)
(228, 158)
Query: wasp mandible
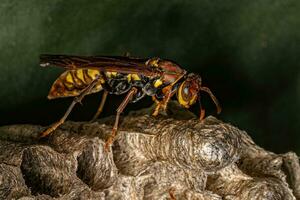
(138, 77)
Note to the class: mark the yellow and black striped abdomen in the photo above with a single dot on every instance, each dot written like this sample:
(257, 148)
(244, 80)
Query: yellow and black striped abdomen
(72, 82)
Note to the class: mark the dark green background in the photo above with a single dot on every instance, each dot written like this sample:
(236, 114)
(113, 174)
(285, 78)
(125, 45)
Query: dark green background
(246, 51)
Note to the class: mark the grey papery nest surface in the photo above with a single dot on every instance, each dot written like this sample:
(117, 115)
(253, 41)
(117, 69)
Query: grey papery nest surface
(150, 158)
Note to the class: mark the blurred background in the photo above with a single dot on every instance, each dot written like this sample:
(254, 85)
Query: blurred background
(247, 52)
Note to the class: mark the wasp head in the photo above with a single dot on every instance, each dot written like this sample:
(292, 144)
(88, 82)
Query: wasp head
(188, 90)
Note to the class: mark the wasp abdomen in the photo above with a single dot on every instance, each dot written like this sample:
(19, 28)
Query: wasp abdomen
(72, 82)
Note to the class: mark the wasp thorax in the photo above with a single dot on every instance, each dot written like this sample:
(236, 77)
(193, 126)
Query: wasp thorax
(188, 90)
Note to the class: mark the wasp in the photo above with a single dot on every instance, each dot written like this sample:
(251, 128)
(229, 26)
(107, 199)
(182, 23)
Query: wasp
(137, 77)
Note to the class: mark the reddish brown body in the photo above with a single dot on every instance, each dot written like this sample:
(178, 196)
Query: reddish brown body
(117, 75)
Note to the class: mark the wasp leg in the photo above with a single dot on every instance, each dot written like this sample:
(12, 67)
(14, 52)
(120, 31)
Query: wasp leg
(157, 108)
(100, 109)
(212, 96)
(168, 93)
(202, 114)
(120, 109)
(76, 100)
(202, 110)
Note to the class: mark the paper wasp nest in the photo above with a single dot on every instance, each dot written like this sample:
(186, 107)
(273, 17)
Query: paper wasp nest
(151, 158)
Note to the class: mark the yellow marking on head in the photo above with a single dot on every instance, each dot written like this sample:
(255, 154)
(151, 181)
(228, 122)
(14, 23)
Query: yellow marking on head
(114, 74)
(79, 74)
(158, 83)
(93, 73)
(184, 101)
(135, 77)
(69, 77)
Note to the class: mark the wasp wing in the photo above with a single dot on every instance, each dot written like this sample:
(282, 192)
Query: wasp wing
(119, 64)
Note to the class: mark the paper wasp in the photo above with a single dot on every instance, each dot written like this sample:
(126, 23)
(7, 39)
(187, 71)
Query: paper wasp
(118, 75)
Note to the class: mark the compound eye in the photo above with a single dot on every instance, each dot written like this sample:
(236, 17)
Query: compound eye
(185, 92)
